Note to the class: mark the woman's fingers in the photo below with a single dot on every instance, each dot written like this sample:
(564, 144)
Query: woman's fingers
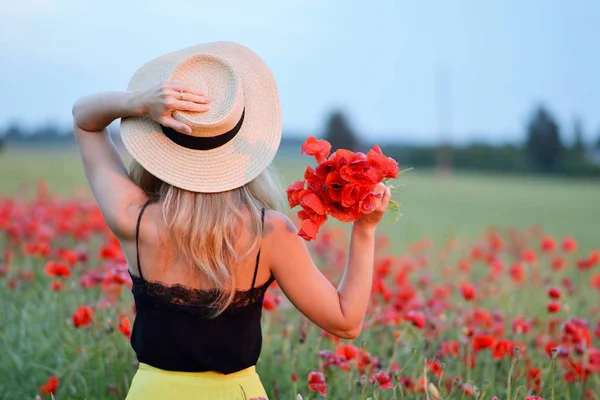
(186, 96)
(179, 105)
(182, 86)
(172, 123)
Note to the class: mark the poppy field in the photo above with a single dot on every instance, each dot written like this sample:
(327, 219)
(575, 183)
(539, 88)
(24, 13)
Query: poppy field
(487, 288)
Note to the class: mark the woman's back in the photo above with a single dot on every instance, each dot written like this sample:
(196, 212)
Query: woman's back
(175, 327)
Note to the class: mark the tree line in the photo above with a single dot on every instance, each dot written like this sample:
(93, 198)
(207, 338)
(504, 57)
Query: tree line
(543, 150)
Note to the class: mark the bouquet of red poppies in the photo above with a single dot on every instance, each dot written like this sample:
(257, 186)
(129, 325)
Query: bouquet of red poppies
(342, 185)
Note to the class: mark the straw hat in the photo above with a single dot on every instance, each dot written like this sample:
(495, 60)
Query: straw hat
(233, 142)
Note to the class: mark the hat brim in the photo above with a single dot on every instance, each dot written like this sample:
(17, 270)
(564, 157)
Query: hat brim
(226, 167)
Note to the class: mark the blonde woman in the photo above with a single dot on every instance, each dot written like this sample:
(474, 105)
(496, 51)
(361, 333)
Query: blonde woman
(195, 218)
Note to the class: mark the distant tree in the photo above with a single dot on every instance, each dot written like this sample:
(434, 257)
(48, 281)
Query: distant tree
(543, 146)
(339, 133)
(578, 145)
(598, 141)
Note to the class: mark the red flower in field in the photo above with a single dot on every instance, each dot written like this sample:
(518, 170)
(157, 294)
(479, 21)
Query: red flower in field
(435, 366)
(318, 148)
(501, 348)
(69, 256)
(558, 263)
(534, 379)
(554, 293)
(569, 244)
(4, 269)
(348, 351)
(125, 327)
(516, 273)
(51, 386)
(83, 316)
(553, 306)
(57, 268)
(56, 285)
(481, 342)
(270, 301)
(294, 377)
(316, 383)
(590, 261)
(548, 244)
(467, 291)
(593, 360)
(529, 256)
(595, 281)
(417, 319)
(449, 348)
(384, 380)
(534, 398)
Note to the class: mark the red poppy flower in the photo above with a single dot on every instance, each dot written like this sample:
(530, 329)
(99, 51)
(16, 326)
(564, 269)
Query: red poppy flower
(83, 316)
(569, 244)
(558, 263)
(548, 244)
(57, 268)
(292, 193)
(270, 301)
(468, 291)
(51, 386)
(56, 285)
(125, 327)
(481, 342)
(529, 256)
(387, 167)
(384, 380)
(348, 351)
(553, 306)
(318, 148)
(417, 318)
(554, 293)
(501, 348)
(590, 261)
(316, 383)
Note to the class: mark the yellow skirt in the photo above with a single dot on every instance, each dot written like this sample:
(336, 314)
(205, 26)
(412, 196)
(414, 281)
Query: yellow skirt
(151, 383)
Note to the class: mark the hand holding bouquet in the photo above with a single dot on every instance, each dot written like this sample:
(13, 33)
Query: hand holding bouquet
(344, 185)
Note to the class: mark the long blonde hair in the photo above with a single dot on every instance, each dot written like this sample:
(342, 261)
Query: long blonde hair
(204, 226)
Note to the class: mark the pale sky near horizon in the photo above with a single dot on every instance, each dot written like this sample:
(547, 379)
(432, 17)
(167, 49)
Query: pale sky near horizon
(401, 70)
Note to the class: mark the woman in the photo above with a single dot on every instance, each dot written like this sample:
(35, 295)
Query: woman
(195, 218)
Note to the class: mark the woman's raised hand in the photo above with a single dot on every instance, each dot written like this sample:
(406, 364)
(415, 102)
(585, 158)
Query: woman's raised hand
(372, 219)
(159, 101)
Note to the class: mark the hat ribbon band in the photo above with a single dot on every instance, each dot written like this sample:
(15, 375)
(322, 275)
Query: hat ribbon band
(203, 143)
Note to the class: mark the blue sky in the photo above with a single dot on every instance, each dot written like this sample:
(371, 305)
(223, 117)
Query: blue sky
(401, 70)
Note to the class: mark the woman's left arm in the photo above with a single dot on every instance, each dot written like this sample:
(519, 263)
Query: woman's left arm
(118, 197)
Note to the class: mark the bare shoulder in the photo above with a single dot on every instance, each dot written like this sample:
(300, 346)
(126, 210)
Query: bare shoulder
(277, 223)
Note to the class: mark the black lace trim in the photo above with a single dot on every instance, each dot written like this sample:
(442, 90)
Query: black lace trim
(181, 296)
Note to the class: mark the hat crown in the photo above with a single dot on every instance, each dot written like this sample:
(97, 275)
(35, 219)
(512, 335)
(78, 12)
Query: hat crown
(215, 78)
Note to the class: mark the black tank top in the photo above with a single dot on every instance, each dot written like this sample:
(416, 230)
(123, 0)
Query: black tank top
(173, 328)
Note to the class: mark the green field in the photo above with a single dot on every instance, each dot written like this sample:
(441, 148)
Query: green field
(434, 206)
(38, 338)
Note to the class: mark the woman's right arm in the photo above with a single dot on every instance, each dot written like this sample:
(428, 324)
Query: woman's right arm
(339, 311)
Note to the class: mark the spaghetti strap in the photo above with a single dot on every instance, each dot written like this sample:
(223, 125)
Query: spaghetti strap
(137, 235)
(262, 224)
